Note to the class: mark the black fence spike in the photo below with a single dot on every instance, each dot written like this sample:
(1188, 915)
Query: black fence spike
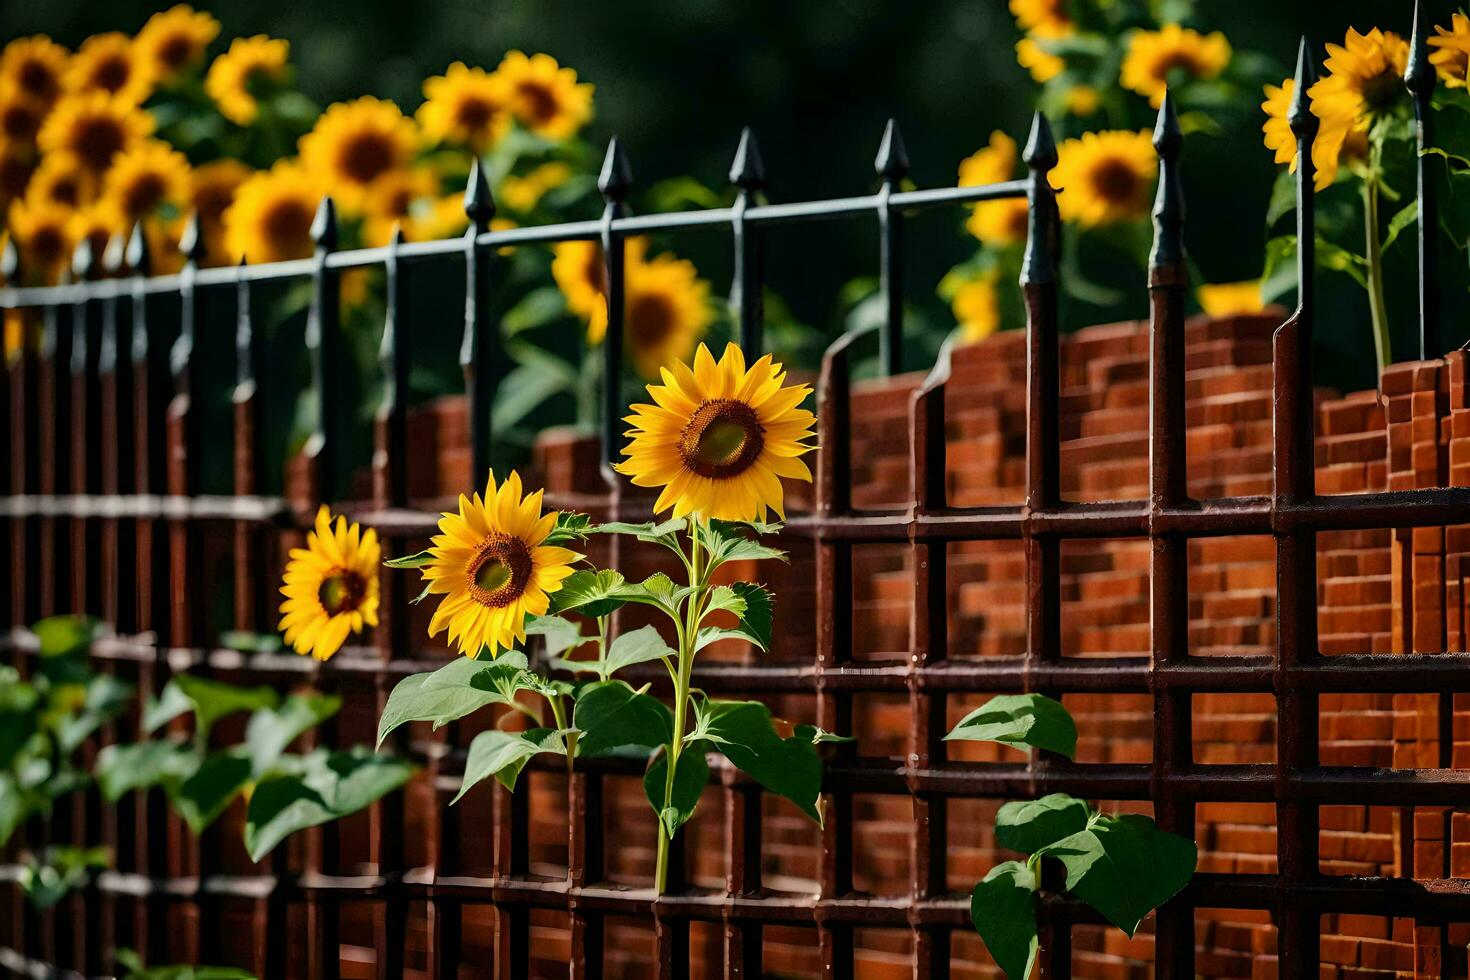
(616, 178)
(83, 259)
(748, 170)
(1041, 146)
(892, 161)
(1299, 116)
(1418, 72)
(1168, 211)
(1168, 137)
(479, 204)
(10, 261)
(139, 255)
(191, 242)
(324, 225)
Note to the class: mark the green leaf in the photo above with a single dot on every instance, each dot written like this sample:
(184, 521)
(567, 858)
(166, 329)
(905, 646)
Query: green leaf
(639, 646)
(204, 794)
(690, 777)
(1335, 257)
(610, 714)
(569, 527)
(726, 541)
(1020, 719)
(665, 533)
(271, 730)
(743, 732)
(59, 872)
(559, 635)
(106, 697)
(592, 593)
(170, 704)
(331, 786)
(444, 695)
(1406, 216)
(1003, 908)
(523, 390)
(19, 713)
(504, 754)
(213, 700)
(817, 736)
(1030, 825)
(14, 806)
(755, 618)
(416, 560)
(1125, 867)
(121, 769)
(60, 636)
(1278, 274)
(247, 642)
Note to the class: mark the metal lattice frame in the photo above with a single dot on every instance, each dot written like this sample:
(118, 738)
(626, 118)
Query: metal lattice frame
(102, 503)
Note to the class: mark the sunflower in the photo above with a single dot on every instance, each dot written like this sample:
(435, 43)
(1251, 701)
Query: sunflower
(1044, 18)
(1365, 73)
(212, 191)
(999, 222)
(95, 126)
(107, 63)
(976, 306)
(41, 232)
(719, 438)
(331, 586)
(1451, 54)
(355, 143)
(465, 105)
(173, 41)
(148, 178)
(523, 193)
(492, 567)
(97, 223)
(1041, 63)
(667, 311)
(36, 66)
(1327, 154)
(235, 79)
(581, 276)
(1104, 177)
(17, 163)
(443, 217)
(1154, 56)
(395, 196)
(543, 96)
(270, 219)
(61, 179)
(20, 115)
(1082, 100)
(1230, 298)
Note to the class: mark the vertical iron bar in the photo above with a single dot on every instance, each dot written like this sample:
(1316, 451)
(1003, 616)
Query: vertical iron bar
(24, 457)
(116, 393)
(1169, 561)
(479, 353)
(747, 299)
(324, 341)
(86, 328)
(1419, 76)
(12, 437)
(1298, 921)
(892, 165)
(186, 549)
(615, 181)
(251, 607)
(56, 341)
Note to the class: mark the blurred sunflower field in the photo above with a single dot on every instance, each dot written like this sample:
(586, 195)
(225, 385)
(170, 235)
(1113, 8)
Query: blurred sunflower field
(182, 118)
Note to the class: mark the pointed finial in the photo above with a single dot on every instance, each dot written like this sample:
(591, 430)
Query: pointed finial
(138, 254)
(479, 205)
(324, 225)
(10, 261)
(83, 259)
(1299, 115)
(748, 170)
(1167, 135)
(1418, 72)
(191, 242)
(616, 178)
(892, 161)
(115, 256)
(1041, 146)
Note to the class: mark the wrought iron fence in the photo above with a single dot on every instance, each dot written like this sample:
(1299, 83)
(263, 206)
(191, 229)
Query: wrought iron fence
(103, 512)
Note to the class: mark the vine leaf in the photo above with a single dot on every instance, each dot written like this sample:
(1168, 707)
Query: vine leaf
(212, 700)
(330, 786)
(1029, 825)
(271, 730)
(1125, 867)
(742, 731)
(121, 769)
(504, 754)
(1003, 908)
(611, 715)
(202, 795)
(1020, 719)
(690, 777)
(449, 693)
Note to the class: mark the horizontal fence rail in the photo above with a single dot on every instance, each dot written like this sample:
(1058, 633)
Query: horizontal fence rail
(103, 512)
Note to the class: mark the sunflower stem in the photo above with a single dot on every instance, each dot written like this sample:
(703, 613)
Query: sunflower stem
(687, 635)
(1374, 255)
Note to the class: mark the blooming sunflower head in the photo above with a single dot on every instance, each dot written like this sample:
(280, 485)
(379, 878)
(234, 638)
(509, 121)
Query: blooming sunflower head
(719, 437)
(95, 126)
(1451, 54)
(1041, 63)
(61, 179)
(667, 311)
(42, 232)
(1044, 18)
(1156, 57)
(468, 106)
(999, 222)
(96, 224)
(543, 96)
(20, 115)
(270, 218)
(212, 191)
(976, 306)
(17, 163)
(1104, 177)
(36, 66)
(146, 179)
(581, 276)
(173, 41)
(355, 143)
(397, 195)
(1365, 77)
(108, 63)
(236, 78)
(493, 568)
(331, 587)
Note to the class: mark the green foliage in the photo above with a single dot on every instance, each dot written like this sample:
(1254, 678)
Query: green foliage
(48, 878)
(1030, 825)
(690, 778)
(1020, 719)
(330, 785)
(611, 715)
(1124, 866)
(132, 968)
(743, 732)
(637, 647)
(504, 754)
(1003, 909)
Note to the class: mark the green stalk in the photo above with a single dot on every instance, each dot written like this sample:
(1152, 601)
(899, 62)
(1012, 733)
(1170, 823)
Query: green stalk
(687, 634)
(1376, 305)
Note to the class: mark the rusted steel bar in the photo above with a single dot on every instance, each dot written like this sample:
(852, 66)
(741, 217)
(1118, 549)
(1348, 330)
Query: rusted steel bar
(186, 549)
(747, 286)
(85, 588)
(891, 166)
(479, 352)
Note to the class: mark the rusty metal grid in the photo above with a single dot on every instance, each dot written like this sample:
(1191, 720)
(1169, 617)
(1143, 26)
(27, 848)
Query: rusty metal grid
(102, 513)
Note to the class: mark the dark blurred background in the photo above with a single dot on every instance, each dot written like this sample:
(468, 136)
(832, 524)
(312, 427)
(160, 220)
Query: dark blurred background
(676, 79)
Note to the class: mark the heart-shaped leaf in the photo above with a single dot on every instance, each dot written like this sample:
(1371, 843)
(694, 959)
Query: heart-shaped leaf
(1020, 719)
(1003, 908)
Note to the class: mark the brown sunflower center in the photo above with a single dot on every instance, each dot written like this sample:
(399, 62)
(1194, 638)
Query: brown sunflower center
(47, 244)
(286, 225)
(722, 438)
(175, 51)
(474, 113)
(145, 193)
(98, 139)
(15, 173)
(20, 121)
(539, 101)
(37, 79)
(1177, 59)
(500, 570)
(365, 157)
(1115, 182)
(651, 318)
(112, 73)
(595, 273)
(341, 592)
(1382, 90)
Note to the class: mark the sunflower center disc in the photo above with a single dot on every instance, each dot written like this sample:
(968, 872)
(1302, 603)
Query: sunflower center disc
(366, 157)
(499, 571)
(1115, 181)
(723, 437)
(341, 593)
